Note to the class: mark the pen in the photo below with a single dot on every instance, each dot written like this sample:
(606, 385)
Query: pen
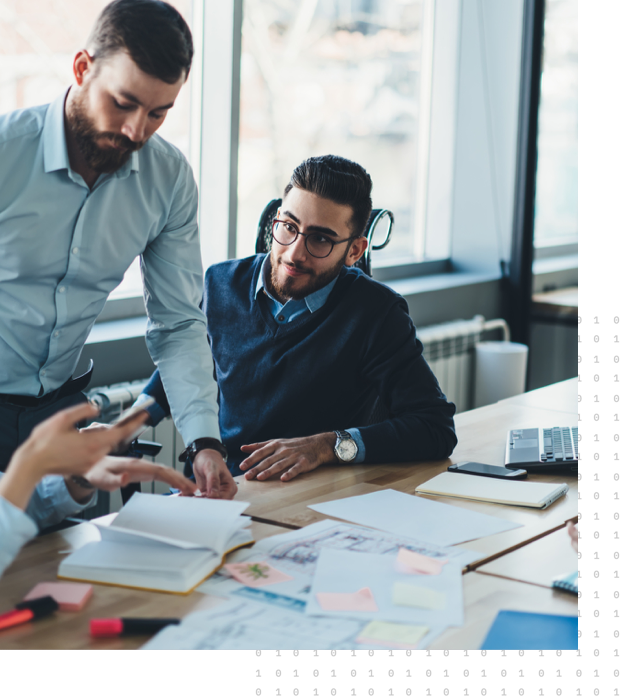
(27, 611)
(113, 627)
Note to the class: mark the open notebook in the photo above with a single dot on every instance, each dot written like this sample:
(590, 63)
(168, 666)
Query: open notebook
(538, 495)
(161, 543)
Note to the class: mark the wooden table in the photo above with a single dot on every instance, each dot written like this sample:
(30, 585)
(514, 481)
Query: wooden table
(484, 596)
(563, 395)
(39, 562)
(481, 434)
(538, 562)
(282, 506)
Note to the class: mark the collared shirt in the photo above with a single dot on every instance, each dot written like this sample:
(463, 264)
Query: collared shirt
(50, 503)
(64, 247)
(293, 309)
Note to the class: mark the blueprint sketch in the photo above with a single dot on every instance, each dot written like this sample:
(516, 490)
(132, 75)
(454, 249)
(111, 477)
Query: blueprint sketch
(270, 623)
(295, 553)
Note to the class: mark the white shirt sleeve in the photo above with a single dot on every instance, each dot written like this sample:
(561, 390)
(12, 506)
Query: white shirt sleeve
(16, 529)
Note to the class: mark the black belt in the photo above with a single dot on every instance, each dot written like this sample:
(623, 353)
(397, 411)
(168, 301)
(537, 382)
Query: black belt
(70, 387)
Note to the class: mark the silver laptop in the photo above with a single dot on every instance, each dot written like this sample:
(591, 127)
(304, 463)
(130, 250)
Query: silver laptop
(553, 450)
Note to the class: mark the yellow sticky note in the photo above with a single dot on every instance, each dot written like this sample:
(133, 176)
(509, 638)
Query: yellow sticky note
(417, 597)
(393, 634)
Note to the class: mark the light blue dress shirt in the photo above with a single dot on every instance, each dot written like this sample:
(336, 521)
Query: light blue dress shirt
(64, 248)
(293, 309)
(50, 503)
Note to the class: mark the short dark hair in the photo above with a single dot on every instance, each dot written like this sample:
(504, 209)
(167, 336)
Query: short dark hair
(337, 179)
(153, 33)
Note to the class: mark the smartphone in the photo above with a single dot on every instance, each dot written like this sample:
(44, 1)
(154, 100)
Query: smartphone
(127, 416)
(487, 471)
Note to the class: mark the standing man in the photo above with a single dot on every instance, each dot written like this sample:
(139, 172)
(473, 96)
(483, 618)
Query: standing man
(85, 187)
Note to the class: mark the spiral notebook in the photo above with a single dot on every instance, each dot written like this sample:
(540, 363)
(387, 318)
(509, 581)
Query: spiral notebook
(567, 582)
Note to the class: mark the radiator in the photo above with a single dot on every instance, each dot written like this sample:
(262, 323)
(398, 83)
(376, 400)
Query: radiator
(449, 351)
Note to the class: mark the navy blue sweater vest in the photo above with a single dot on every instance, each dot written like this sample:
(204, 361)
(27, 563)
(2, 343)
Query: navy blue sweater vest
(322, 371)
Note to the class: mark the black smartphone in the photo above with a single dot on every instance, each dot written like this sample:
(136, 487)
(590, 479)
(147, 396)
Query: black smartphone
(488, 471)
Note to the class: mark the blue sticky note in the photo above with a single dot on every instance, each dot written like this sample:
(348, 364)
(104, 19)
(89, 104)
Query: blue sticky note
(513, 630)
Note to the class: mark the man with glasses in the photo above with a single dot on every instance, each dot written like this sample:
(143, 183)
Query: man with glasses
(304, 343)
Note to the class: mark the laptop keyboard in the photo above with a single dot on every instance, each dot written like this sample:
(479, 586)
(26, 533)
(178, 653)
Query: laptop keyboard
(560, 444)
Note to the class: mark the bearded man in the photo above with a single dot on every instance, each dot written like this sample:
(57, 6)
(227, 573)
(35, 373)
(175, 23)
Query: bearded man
(305, 345)
(85, 187)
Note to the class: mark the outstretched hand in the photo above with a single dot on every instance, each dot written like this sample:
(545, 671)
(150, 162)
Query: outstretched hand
(112, 472)
(291, 457)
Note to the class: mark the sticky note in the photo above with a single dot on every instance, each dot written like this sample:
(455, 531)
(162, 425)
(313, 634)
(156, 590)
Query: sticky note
(256, 574)
(362, 600)
(406, 637)
(417, 597)
(69, 596)
(410, 562)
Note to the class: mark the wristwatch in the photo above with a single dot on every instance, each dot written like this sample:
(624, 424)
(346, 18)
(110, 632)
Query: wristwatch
(346, 448)
(194, 447)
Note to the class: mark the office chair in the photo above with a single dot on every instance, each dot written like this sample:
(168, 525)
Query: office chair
(264, 232)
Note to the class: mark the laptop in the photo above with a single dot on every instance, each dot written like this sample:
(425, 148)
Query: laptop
(553, 450)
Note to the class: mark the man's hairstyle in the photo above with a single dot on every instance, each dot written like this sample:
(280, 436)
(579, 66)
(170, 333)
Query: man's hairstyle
(153, 33)
(340, 180)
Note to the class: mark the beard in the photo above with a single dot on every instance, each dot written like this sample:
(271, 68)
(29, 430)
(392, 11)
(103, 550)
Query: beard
(289, 288)
(86, 135)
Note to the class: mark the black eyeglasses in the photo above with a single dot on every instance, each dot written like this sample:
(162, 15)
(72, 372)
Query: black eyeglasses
(317, 244)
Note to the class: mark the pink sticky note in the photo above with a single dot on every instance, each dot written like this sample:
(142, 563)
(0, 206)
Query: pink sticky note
(69, 596)
(361, 600)
(416, 563)
(256, 574)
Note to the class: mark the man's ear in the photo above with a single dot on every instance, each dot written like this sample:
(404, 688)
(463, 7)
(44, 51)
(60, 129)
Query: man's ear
(357, 250)
(82, 66)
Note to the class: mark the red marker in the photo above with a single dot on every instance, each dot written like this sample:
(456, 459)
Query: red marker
(113, 627)
(27, 611)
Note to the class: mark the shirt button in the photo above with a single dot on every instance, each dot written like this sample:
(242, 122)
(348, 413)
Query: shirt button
(61, 289)
(57, 333)
(75, 250)
(281, 318)
(43, 373)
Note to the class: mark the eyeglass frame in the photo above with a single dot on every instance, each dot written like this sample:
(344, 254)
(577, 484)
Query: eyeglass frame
(306, 238)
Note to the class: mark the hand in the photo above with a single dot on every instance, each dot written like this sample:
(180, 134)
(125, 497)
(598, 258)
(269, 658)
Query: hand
(573, 534)
(294, 456)
(213, 478)
(111, 473)
(56, 447)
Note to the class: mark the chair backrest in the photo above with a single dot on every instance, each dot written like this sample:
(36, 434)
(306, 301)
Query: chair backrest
(264, 232)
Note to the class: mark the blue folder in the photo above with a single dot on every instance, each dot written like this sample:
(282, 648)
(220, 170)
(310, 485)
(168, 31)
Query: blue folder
(513, 630)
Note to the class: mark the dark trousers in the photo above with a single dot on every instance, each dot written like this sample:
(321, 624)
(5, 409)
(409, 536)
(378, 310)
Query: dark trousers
(17, 422)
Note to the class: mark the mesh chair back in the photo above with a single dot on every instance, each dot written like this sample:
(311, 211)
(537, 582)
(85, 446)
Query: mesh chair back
(379, 216)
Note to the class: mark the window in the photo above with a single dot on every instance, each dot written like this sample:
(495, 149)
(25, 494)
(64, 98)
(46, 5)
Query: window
(331, 77)
(556, 202)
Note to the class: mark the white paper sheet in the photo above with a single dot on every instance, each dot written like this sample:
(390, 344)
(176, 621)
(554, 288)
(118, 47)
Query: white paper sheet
(296, 553)
(338, 571)
(275, 623)
(409, 515)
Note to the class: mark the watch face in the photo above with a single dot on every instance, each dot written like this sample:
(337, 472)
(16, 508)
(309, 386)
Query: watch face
(346, 449)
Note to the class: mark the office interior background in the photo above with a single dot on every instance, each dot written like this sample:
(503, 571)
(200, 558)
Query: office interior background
(464, 112)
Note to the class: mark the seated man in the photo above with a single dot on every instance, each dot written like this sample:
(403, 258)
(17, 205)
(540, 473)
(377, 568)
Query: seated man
(303, 343)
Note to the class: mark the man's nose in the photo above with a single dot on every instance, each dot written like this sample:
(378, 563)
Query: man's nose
(135, 127)
(297, 250)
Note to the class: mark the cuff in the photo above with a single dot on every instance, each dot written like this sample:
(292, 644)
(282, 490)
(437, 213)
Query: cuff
(356, 435)
(199, 427)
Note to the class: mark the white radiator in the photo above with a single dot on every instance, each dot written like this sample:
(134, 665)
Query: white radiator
(449, 351)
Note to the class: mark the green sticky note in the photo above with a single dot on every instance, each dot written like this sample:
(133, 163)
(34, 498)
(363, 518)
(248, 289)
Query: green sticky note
(392, 634)
(417, 597)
